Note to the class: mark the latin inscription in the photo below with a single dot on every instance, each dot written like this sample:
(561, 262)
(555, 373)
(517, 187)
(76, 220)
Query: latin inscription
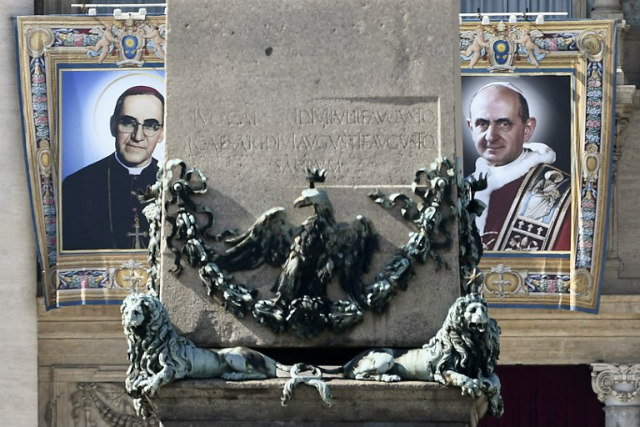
(362, 116)
(299, 166)
(232, 118)
(315, 142)
(325, 134)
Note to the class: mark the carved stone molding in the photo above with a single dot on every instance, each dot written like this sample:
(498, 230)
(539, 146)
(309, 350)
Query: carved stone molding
(92, 397)
(356, 403)
(624, 110)
(105, 404)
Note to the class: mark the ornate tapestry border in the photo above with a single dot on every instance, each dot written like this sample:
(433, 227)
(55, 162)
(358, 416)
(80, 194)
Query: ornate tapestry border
(44, 44)
(556, 279)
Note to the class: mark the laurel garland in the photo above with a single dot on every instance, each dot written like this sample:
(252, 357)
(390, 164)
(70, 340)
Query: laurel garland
(430, 218)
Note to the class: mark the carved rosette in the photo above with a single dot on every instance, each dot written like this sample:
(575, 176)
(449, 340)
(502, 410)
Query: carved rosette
(591, 43)
(39, 40)
(616, 385)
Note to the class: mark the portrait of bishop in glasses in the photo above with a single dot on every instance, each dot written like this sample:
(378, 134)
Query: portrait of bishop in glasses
(100, 209)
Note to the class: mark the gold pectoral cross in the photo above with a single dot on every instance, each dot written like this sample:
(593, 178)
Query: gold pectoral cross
(136, 234)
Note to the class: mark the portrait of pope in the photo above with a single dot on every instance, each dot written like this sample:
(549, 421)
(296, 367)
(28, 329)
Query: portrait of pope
(528, 194)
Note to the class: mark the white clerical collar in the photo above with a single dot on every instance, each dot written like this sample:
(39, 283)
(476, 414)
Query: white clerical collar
(533, 154)
(133, 170)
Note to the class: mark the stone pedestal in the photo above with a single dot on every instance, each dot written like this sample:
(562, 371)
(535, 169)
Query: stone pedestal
(359, 403)
(618, 387)
(260, 90)
(365, 90)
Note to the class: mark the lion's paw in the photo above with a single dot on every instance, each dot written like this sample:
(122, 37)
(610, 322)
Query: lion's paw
(390, 378)
(472, 387)
(149, 390)
(496, 406)
(151, 386)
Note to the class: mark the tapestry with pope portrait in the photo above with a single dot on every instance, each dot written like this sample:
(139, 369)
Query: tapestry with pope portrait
(537, 111)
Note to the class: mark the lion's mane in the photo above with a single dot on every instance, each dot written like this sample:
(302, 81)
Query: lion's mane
(461, 349)
(465, 350)
(157, 354)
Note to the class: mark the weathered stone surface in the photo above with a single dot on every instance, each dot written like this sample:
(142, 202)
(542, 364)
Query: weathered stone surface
(18, 325)
(365, 90)
(626, 210)
(527, 339)
(362, 403)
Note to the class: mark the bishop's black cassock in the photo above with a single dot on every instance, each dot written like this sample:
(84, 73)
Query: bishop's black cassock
(100, 209)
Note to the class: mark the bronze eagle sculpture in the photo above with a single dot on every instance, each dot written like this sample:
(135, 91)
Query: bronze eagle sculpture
(313, 254)
(309, 255)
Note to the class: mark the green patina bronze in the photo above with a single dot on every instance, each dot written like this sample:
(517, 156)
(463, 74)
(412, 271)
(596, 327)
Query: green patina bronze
(310, 255)
(463, 353)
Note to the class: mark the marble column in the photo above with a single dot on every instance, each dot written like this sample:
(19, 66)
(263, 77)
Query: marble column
(618, 387)
(18, 321)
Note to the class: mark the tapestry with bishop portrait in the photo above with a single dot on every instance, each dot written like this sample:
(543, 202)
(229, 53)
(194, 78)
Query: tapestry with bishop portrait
(92, 90)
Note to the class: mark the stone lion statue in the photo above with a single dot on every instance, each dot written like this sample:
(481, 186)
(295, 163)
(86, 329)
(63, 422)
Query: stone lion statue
(158, 355)
(463, 353)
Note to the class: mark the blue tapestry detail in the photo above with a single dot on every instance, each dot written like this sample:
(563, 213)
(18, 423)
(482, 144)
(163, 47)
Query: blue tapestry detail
(129, 46)
(501, 51)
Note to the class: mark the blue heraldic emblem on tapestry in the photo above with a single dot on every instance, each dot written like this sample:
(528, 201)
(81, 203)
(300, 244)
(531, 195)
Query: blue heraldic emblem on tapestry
(501, 51)
(129, 46)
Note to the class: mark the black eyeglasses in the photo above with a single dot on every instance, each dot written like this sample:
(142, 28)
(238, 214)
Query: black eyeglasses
(128, 124)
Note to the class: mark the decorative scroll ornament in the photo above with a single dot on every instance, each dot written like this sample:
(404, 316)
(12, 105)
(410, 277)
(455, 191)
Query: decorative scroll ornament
(617, 382)
(38, 40)
(592, 44)
(502, 45)
(311, 254)
(582, 284)
(111, 403)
